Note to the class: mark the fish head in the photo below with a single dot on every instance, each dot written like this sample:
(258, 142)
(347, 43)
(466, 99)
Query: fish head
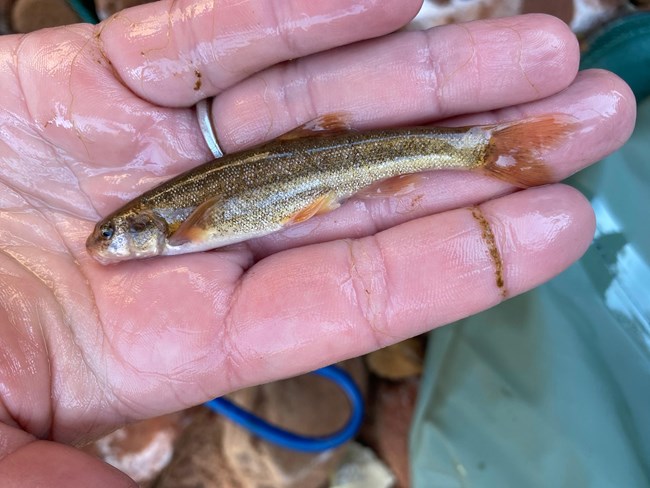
(132, 235)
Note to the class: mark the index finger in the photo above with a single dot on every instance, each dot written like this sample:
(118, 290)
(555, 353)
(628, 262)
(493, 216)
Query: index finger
(174, 53)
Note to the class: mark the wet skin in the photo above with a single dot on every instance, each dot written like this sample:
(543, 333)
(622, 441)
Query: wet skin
(116, 119)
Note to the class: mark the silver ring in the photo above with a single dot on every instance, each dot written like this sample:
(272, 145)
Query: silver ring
(204, 116)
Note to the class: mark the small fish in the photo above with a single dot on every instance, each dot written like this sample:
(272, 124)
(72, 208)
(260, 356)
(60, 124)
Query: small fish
(310, 171)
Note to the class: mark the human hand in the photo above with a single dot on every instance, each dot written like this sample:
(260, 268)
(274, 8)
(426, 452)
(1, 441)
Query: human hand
(93, 116)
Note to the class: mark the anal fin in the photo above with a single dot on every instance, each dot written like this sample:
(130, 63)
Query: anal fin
(392, 187)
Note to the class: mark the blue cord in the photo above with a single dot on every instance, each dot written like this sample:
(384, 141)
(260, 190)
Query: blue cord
(297, 442)
(84, 13)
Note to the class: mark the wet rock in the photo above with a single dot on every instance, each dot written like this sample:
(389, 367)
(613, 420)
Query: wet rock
(106, 8)
(141, 450)
(361, 468)
(398, 361)
(389, 423)
(31, 15)
(581, 15)
(437, 12)
(6, 6)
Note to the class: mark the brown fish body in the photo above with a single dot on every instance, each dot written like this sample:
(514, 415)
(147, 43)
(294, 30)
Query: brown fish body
(263, 189)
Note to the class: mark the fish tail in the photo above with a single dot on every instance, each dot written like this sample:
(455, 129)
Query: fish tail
(513, 152)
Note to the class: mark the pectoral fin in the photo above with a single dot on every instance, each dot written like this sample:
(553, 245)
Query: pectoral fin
(194, 228)
(323, 204)
(323, 125)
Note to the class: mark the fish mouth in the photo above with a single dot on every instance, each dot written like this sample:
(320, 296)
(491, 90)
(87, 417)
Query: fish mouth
(102, 257)
(101, 253)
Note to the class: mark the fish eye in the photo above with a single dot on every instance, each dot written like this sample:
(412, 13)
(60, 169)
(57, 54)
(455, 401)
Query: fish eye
(106, 231)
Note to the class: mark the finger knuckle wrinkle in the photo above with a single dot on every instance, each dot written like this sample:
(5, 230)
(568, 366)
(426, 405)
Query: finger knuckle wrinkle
(368, 274)
(430, 61)
(280, 15)
(232, 357)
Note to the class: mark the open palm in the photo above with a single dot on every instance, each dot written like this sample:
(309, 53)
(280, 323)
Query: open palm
(90, 117)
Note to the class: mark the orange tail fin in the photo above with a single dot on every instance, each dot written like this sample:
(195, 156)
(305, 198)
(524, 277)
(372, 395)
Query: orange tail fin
(513, 153)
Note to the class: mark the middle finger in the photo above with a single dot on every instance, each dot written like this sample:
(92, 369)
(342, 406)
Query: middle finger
(406, 78)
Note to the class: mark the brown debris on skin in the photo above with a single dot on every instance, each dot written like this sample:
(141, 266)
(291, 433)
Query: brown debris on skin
(99, 45)
(490, 243)
(197, 83)
(416, 201)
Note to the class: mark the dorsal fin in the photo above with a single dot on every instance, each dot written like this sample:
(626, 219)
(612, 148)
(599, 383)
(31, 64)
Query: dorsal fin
(325, 124)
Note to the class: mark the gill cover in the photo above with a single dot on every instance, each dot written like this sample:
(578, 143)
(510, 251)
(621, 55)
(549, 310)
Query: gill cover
(147, 234)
